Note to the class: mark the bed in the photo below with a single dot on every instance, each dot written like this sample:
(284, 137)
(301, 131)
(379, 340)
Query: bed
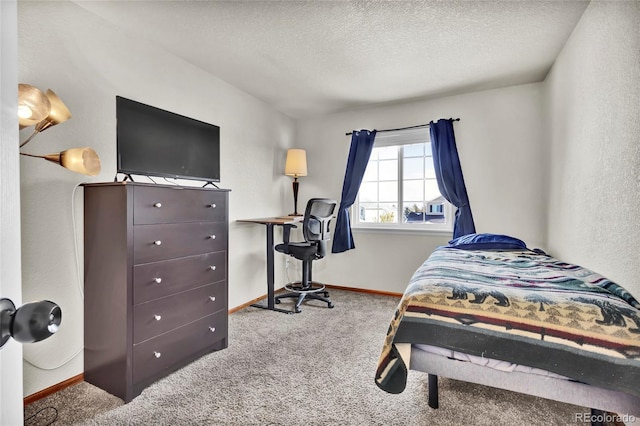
(488, 310)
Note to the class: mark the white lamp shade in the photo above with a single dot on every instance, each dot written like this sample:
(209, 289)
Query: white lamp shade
(296, 164)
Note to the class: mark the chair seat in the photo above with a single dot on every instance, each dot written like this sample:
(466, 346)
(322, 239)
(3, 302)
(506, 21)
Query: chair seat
(299, 250)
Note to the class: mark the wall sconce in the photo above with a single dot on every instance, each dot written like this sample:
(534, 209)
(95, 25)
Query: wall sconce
(296, 165)
(29, 323)
(47, 110)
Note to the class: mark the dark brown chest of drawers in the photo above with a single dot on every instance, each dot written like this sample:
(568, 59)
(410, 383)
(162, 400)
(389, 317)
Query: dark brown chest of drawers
(155, 277)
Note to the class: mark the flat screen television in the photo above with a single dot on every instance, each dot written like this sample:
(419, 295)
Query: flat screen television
(155, 142)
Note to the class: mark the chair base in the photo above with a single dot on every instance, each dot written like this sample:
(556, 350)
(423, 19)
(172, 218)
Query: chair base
(314, 291)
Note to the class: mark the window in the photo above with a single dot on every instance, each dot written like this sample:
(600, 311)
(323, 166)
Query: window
(399, 188)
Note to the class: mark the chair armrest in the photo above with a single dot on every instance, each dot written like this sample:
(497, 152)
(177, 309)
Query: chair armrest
(286, 232)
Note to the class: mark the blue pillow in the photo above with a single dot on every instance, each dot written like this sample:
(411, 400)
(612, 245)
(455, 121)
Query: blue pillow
(487, 242)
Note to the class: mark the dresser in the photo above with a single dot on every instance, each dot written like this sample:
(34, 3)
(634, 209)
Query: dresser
(155, 281)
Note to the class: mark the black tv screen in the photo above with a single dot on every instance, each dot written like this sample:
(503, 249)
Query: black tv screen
(155, 142)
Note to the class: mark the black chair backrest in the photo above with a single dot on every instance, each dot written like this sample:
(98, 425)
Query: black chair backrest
(315, 225)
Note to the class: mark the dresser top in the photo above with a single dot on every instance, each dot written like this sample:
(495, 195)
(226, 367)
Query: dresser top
(155, 185)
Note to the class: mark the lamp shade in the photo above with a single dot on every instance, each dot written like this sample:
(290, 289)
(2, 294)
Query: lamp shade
(79, 160)
(296, 164)
(59, 113)
(33, 105)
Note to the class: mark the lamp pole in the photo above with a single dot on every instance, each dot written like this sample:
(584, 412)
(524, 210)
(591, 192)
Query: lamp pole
(296, 184)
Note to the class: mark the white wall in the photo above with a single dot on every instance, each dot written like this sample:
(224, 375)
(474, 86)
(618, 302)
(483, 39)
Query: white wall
(87, 62)
(10, 284)
(591, 96)
(593, 106)
(499, 143)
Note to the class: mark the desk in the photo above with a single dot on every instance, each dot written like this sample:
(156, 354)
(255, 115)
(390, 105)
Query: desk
(270, 222)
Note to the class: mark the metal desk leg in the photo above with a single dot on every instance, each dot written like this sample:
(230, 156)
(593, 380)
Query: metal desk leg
(270, 275)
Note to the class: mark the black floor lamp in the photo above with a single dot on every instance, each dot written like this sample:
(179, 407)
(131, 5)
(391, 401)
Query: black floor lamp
(296, 166)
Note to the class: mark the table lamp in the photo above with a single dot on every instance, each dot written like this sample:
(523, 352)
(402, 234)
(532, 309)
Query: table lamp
(296, 166)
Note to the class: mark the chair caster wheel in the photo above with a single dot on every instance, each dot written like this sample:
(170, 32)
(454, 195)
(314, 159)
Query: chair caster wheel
(297, 311)
(331, 305)
(277, 301)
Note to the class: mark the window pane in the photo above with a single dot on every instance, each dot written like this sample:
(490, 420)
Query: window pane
(387, 152)
(368, 212)
(414, 150)
(413, 190)
(427, 149)
(431, 191)
(434, 213)
(429, 170)
(374, 154)
(412, 212)
(389, 191)
(388, 213)
(388, 170)
(413, 168)
(368, 192)
(371, 173)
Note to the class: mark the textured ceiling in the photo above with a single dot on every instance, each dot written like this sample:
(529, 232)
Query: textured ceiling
(312, 57)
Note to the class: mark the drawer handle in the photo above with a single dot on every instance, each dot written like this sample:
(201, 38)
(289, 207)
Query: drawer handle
(157, 354)
(157, 317)
(157, 242)
(157, 205)
(212, 267)
(158, 280)
(213, 237)
(212, 329)
(213, 205)
(212, 298)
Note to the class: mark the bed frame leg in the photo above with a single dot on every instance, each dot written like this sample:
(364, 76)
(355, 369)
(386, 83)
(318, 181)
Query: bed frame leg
(433, 390)
(597, 414)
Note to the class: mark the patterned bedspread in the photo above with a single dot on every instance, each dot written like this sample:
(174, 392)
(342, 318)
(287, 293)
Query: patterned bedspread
(518, 306)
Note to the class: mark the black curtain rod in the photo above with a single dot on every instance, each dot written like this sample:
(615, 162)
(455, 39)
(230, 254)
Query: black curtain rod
(404, 128)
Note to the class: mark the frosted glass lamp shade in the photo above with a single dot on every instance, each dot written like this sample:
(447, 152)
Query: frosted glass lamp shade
(296, 164)
(59, 113)
(79, 160)
(33, 105)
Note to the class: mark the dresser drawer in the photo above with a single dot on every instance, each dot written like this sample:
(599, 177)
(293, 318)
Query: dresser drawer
(161, 242)
(168, 205)
(159, 316)
(155, 355)
(160, 279)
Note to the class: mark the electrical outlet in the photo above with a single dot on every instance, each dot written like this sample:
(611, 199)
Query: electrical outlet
(286, 263)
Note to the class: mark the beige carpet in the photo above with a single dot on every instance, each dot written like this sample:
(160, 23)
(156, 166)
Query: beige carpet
(312, 368)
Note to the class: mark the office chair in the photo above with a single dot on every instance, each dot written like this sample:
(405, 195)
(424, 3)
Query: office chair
(315, 228)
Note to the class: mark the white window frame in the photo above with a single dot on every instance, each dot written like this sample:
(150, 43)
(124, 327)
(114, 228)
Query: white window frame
(396, 138)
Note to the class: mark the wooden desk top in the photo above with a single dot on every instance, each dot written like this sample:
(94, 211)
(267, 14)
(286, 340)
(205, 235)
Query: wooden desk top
(273, 220)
